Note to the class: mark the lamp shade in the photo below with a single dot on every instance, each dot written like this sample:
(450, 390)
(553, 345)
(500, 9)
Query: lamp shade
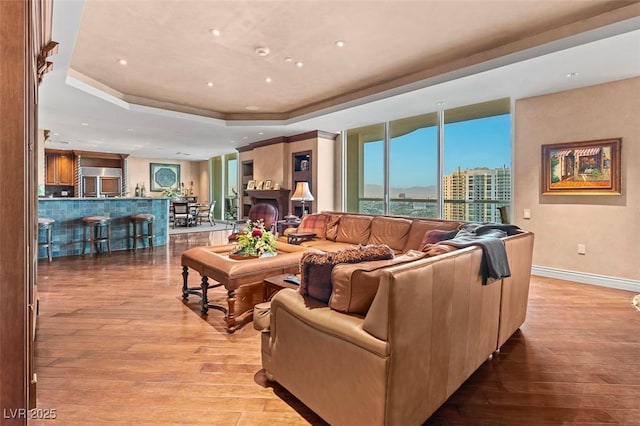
(302, 192)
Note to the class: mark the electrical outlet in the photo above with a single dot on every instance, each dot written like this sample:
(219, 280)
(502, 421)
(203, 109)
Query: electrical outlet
(526, 214)
(582, 249)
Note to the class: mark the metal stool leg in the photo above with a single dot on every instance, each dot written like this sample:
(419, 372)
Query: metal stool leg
(135, 235)
(150, 230)
(49, 238)
(109, 238)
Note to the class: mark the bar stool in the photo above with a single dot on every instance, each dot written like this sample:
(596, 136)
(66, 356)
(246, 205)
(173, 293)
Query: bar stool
(141, 219)
(45, 224)
(97, 226)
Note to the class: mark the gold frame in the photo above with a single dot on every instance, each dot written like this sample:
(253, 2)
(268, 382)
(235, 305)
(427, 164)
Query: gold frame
(582, 168)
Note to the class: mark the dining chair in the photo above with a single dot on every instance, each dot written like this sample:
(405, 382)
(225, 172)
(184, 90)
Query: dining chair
(207, 213)
(182, 213)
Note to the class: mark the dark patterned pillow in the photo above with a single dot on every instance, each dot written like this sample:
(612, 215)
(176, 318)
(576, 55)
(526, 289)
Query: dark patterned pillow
(435, 236)
(315, 268)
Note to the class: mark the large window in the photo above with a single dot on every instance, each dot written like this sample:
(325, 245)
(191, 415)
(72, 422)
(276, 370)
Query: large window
(413, 166)
(365, 169)
(393, 168)
(477, 172)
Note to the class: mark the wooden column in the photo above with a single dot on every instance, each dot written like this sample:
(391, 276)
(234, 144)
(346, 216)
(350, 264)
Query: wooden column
(25, 30)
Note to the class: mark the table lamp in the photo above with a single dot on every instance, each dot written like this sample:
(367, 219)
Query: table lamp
(302, 193)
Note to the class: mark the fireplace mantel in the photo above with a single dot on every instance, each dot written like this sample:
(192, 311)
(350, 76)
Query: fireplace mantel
(276, 197)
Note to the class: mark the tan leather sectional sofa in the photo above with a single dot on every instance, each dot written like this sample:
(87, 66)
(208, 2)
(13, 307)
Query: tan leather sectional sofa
(428, 326)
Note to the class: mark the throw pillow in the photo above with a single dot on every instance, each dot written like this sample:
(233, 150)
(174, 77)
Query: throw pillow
(332, 226)
(315, 223)
(435, 236)
(315, 268)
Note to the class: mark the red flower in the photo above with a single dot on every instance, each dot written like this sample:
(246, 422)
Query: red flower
(256, 233)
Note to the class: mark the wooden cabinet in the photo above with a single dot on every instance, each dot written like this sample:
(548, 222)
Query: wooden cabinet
(59, 169)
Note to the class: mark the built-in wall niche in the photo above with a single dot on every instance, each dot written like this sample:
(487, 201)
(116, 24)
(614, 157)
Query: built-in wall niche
(247, 175)
(301, 172)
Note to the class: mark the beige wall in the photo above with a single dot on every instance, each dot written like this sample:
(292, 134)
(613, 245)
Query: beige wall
(190, 171)
(609, 226)
(269, 164)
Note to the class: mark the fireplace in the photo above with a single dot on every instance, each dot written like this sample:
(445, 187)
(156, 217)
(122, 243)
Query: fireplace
(279, 198)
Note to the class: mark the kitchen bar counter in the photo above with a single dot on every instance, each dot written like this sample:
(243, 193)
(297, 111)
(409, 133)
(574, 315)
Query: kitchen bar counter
(68, 214)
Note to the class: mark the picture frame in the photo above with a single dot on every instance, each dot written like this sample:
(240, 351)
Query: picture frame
(164, 177)
(267, 184)
(582, 168)
(251, 185)
(259, 185)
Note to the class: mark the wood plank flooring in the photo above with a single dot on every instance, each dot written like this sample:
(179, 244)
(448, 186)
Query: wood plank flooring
(116, 345)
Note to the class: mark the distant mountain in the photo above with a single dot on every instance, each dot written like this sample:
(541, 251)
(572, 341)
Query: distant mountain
(377, 191)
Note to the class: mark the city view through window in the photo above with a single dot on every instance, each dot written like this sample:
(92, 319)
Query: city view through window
(476, 175)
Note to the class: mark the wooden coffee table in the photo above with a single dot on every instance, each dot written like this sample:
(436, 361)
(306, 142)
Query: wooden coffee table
(214, 263)
(272, 285)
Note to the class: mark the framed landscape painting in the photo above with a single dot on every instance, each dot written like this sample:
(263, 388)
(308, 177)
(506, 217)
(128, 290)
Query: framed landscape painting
(164, 176)
(582, 168)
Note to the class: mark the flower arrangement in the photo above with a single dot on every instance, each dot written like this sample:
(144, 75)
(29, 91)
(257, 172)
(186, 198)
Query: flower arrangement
(256, 241)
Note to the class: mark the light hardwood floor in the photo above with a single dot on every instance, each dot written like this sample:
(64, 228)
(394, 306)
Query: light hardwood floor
(116, 344)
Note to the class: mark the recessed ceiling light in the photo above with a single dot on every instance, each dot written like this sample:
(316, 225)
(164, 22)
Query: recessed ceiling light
(252, 108)
(129, 130)
(245, 137)
(288, 59)
(573, 74)
(84, 124)
(268, 79)
(262, 51)
(299, 64)
(56, 134)
(210, 84)
(122, 61)
(340, 43)
(214, 32)
(261, 133)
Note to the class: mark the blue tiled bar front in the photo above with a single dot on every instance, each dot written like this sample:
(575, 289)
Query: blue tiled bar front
(68, 214)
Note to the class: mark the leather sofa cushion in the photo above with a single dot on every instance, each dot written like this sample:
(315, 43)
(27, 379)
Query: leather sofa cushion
(420, 227)
(315, 268)
(332, 227)
(354, 229)
(316, 223)
(355, 285)
(392, 231)
(436, 249)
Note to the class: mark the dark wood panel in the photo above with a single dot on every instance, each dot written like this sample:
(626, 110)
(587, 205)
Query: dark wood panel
(122, 335)
(15, 134)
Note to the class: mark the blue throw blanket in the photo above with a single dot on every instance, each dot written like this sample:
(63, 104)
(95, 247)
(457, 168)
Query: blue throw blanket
(495, 264)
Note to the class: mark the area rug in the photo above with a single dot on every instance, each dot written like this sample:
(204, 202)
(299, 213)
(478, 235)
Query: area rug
(205, 227)
(635, 302)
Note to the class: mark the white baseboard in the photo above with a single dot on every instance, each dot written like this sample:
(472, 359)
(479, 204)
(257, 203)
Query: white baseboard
(586, 278)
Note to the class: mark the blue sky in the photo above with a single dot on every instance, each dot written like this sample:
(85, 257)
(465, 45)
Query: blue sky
(484, 142)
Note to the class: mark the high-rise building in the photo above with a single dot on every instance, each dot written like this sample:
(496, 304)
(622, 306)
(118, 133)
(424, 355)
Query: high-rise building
(476, 194)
